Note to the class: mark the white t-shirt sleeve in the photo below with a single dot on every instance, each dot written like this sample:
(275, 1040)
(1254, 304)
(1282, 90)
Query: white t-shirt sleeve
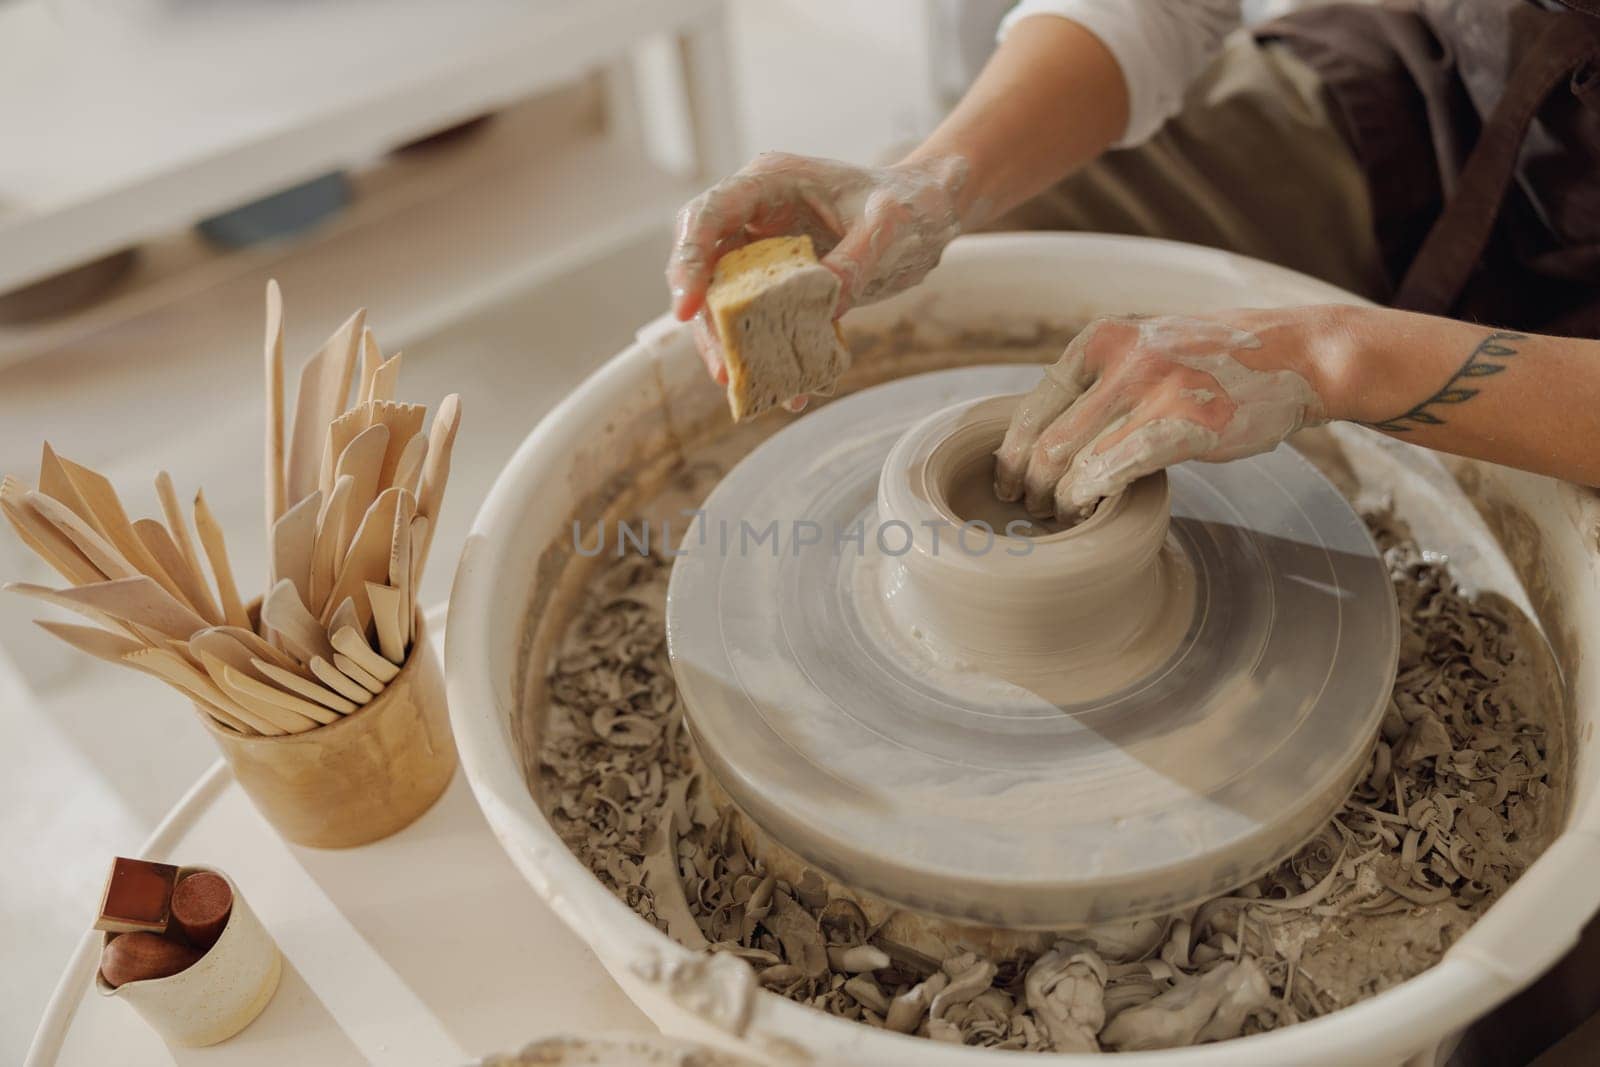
(1162, 46)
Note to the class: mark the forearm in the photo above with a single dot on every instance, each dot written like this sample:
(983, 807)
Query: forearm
(1522, 400)
(1050, 99)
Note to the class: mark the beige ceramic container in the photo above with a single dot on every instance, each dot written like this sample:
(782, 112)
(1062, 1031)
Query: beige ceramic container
(359, 779)
(218, 995)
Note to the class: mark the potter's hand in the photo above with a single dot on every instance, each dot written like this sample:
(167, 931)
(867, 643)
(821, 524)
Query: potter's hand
(879, 229)
(1133, 395)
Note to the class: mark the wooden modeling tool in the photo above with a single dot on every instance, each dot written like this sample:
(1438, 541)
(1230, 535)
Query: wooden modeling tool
(404, 422)
(350, 643)
(179, 528)
(344, 615)
(436, 468)
(261, 693)
(294, 538)
(337, 680)
(408, 469)
(186, 585)
(106, 557)
(368, 558)
(356, 673)
(292, 682)
(400, 572)
(283, 719)
(216, 550)
(182, 675)
(387, 605)
(323, 388)
(286, 613)
(101, 644)
(371, 360)
(276, 484)
(325, 554)
(385, 380)
(48, 543)
(140, 601)
(91, 496)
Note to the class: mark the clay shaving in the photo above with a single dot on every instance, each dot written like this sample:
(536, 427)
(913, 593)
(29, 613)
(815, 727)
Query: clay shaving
(1456, 801)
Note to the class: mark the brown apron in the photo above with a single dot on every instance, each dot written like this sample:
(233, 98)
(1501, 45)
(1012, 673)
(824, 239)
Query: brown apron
(1477, 123)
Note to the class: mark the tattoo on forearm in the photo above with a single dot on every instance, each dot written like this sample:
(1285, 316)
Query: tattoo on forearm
(1480, 364)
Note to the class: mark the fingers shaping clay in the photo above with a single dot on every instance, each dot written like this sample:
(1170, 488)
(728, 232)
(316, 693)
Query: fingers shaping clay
(772, 304)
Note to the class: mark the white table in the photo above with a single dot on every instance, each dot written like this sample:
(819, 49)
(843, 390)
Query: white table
(424, 948)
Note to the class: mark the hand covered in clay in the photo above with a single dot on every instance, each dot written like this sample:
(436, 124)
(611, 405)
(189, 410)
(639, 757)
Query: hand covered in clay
(1134, 395)
(880, 229)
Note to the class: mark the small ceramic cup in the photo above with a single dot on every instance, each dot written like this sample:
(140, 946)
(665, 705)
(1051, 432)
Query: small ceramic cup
(371, 773)
(220, 993)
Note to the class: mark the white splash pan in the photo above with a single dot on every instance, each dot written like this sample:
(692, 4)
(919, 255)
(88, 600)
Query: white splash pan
(654, 394)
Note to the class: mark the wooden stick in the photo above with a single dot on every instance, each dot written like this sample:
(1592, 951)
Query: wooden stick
(308, 689)
(400, 572)
(193, 682)
(286, 721)
(78, 607)
(191, 587)
(325, 553)
(48, 543)
(336, 679)
(91, 496)
(368, 559)
(371, 360)
(341, 431)
(386, 605)
(258, 647)
(362, 461)
(101, 644)
(324, 387)
(140, 601)
(294, 539)
(216, 549)
(219, 644)
(357, 673)
(385, 381)
(419, 535)
(408, 469)
(179, 528)
(284, 611)
(344, 615)
(404, 422)
(436, 469)
(277, 488)
(106, 557)
(353, 646)
(278, 698)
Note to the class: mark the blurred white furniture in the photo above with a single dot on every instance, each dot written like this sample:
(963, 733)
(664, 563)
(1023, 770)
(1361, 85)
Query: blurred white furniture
(117, 130)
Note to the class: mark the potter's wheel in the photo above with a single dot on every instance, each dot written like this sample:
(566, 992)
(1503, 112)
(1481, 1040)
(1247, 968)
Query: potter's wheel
(1199, 702)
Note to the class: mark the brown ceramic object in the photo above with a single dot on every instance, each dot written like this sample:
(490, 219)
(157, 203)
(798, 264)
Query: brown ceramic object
(137, 897)
(140, 956)
(200, 908)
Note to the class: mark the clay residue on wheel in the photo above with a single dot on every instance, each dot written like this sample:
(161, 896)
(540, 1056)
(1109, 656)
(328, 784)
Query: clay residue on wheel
(1455, 801)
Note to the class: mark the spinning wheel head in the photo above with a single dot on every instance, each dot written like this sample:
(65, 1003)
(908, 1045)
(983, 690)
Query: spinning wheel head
(1041, 729)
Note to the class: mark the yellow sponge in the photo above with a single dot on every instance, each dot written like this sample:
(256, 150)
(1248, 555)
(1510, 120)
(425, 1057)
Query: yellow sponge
(772, 305)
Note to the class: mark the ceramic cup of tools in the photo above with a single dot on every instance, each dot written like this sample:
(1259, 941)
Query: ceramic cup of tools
(323, 694)
(363, 777)
(220, 993)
